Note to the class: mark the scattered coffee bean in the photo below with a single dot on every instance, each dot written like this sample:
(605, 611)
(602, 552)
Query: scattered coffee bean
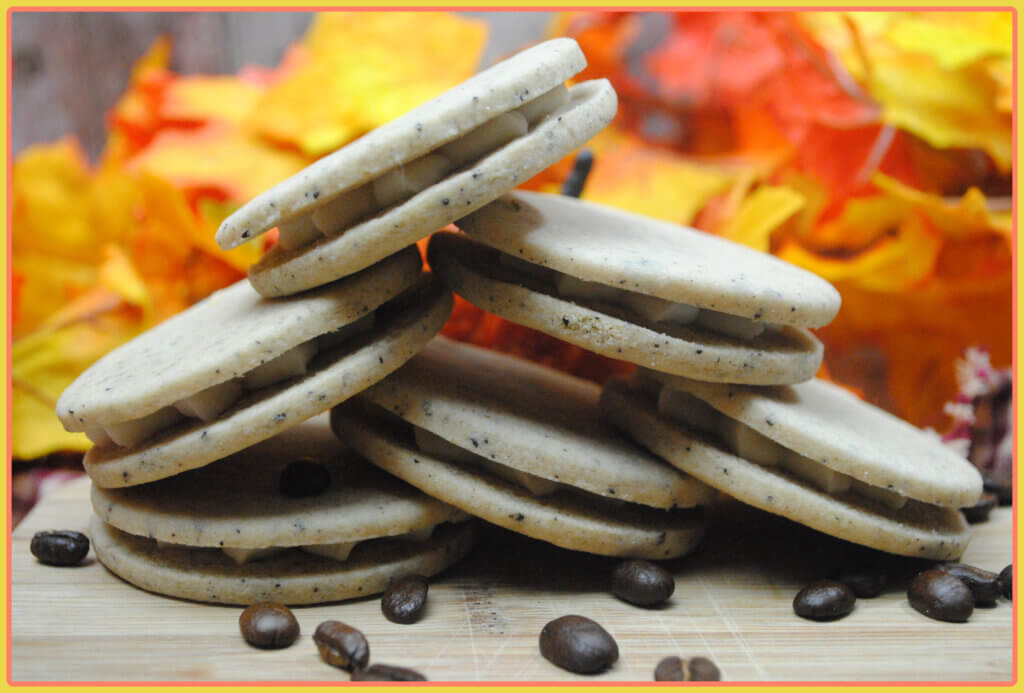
(865, 583)
(577, 644)
(824, 600)
(642, 583)
(404, 599)
(983, 584)
(980, 511)
(939, 595)
(60, 547)
(304, 478)
(386, 672)
(268, 625)
(695, 669)
(1006, 581)
(341, 645)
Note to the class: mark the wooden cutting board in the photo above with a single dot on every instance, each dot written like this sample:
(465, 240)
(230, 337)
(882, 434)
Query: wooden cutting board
(733, 603)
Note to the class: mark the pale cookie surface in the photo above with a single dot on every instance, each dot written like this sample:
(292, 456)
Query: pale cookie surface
(237, 502)
(593, 524)
(916, 529)
(501, 88)
(293, 577)
(228, 334)
(472, 270)
(592, 105)
(627, 251)
(829, 425)
(403, 327)
(531, 418)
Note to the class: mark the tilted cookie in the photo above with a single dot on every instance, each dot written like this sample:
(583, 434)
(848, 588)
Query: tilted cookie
(810, 452)
(237, 532)
(423, 170)
(236, 369)
(523, 447)
(637, 289)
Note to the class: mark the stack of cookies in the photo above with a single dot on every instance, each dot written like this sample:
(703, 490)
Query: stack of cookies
(216, 476)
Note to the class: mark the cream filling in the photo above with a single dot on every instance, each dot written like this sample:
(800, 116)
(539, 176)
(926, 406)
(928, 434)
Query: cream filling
(338, 551)
(751, 445)
(437, 446)
(209, 403)
(650, 308)
(402, 182)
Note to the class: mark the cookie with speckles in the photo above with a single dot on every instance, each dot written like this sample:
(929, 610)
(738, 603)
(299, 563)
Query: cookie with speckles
(401, 327)
(480, 274)
(911, 528)
(423, 170)
(238, 502)
(292, 577)
(531, 418)
(567, 518)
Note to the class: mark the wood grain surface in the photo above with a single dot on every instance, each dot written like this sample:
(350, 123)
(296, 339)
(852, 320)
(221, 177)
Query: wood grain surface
(733, 603)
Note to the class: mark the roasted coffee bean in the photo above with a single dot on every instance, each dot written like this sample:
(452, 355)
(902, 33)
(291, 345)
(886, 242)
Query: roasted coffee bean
(1006, 581)
(59, 547)
(386, 672)
(980, 511)
(1004, 492)
(268, 625)
(404, 600)
(939, 595)
(824, 600)
(341, 645)
(304, 478)
(642, 583)
(983, 584)
(865, 583)
(695, 669)
(577, 644)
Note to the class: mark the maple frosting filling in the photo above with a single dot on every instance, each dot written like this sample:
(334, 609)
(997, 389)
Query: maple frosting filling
(402, 182)
(650, 308)
(745, 442)
(338, 551)
(210, 402)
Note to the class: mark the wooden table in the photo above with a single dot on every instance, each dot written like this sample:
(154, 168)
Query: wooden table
(732, 603)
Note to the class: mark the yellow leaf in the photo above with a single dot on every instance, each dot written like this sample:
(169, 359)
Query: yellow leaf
(362, 69)
(954, 39)
(203, 98)
(955, 218)
(760, 214)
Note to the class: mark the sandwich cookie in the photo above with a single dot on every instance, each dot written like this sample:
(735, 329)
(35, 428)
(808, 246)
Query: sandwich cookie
(636, 289)
(811, 452)
(423, 170)
(236, 368)
(523, 447)
(236, 532)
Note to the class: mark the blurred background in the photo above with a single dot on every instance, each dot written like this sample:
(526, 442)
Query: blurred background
(873, 148)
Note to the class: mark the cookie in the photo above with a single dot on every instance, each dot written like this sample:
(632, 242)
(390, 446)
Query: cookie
(236, 369)
(423, 170)
(860, 504)
(522, 447)
(632, 288)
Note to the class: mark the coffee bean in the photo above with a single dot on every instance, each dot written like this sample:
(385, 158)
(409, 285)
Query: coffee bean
(939, 595)
(865, 583)
(341, 645)
(980, 511)
(386, 672)
(983, 584)
(403, 601)
(59, 547)
(695, 669)
(824, 600)
(268, 625)
(1006, 581)
(1004, 492)
(577, 644)
(303, 479)
(642, 583)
